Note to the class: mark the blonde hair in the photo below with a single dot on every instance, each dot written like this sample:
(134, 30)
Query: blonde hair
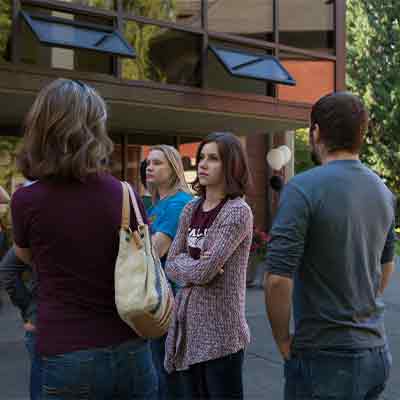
(65, 133)
(177, 180)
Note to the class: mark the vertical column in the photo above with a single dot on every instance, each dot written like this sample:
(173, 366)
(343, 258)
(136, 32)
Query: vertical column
(340, 40)
(269, 144)
(204, 45)
(177, 141)
(16, 31)
(279, 139)
(258, 197)
(119, 24)
(290, 142)
(124, 156)
(274, 91)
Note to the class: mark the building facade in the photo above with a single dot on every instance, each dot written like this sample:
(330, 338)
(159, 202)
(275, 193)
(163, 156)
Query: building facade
(172, 71)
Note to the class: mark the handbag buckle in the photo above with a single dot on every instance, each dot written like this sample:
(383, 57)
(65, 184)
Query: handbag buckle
(129, 233)
(141, 230)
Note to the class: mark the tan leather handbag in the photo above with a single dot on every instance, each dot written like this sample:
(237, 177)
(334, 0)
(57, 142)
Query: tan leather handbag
(143, 296)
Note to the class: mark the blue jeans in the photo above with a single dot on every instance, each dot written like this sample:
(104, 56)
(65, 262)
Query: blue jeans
(169, 385)
(123, 372)
(36, 369)
(336, 375)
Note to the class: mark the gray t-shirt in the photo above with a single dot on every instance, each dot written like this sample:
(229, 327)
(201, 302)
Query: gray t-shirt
(333, 231)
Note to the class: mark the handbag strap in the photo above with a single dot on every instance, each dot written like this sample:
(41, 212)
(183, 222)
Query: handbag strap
(125, 223)
(138, 214)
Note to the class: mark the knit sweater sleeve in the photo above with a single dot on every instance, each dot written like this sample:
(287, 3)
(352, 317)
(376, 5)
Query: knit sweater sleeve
(234, 225)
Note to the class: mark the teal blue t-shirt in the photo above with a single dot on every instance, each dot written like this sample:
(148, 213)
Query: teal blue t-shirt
(164, 215)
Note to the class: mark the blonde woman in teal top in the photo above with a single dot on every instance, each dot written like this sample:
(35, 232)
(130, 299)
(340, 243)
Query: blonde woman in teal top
(166, 182)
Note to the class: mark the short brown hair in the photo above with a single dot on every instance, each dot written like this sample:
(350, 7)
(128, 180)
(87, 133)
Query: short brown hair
(342, 120)
(236, 170)
(65, 133)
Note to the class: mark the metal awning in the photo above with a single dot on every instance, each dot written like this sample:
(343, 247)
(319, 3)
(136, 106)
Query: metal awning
(60, 32)
(252, 65)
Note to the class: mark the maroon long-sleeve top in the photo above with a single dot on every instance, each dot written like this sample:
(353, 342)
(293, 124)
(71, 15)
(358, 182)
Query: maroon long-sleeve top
(72, 230)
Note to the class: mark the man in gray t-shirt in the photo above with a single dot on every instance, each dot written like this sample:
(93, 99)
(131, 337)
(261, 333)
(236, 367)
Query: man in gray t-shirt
(331, 252)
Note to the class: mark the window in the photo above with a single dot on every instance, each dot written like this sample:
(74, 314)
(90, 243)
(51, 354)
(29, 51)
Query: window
(187, 12)
(33, 51)
(61, 32)
(252, 65)
(93, 61)
(251, 18)
(163, 55)
(313, 26)
(220, 78)
(102, 4)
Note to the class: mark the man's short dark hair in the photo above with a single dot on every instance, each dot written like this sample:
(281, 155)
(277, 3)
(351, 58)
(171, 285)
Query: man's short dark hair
(342, 119)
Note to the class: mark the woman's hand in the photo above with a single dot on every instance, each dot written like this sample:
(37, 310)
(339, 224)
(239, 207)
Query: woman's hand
(161, 243)
(284, 347)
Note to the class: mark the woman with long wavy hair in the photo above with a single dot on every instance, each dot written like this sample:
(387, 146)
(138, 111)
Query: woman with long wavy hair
(66, 225)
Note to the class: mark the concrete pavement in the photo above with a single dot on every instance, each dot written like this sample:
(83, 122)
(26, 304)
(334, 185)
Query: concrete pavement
(13, 356)
(263, 366)
(263, 370)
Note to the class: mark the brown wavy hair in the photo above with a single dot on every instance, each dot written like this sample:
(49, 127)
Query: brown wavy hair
(65, 133)
(237, 176)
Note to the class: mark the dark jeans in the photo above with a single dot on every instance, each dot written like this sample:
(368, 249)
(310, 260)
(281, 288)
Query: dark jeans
(215, 379)
(123, 372)
(169, 385)
(335, 375)
(36, 369)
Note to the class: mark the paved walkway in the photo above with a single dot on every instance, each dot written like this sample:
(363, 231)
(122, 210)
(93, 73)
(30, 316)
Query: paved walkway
(263, 367)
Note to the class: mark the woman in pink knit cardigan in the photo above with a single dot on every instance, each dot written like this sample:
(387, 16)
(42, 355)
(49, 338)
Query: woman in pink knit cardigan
(208, 258)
